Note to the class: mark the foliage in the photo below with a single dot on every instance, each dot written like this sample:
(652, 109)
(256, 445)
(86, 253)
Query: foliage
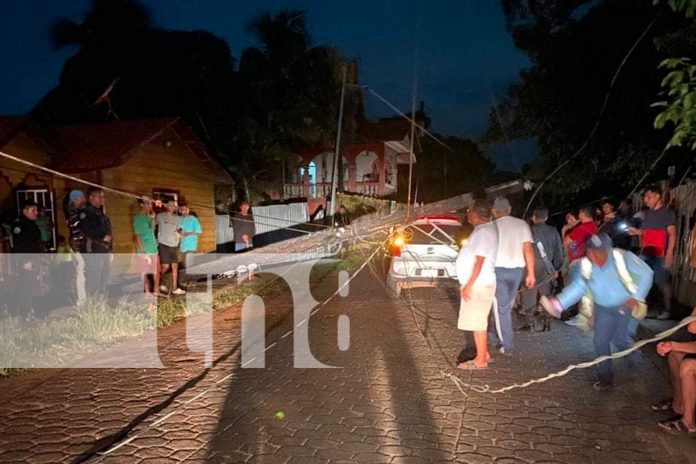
(679, 89)
(291, 93)
(572, 95)
(283, 93)
(686, 6)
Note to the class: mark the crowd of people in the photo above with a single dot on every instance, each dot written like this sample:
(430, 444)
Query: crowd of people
(604, 260)
(161, 239)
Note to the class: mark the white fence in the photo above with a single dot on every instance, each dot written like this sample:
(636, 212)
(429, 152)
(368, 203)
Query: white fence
(266, 219)
(223, 232)
(274, 217)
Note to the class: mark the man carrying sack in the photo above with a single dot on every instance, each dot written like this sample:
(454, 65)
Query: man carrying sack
(617, 282)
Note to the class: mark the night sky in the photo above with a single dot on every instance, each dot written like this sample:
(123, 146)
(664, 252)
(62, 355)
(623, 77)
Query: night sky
(466, 57)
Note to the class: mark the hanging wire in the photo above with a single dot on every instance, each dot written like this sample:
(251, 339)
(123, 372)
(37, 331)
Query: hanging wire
(405, 116)
(602, 110)
(484, 66)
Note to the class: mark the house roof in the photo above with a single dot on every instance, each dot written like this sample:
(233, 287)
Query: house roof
(105, 145)
(9, 126)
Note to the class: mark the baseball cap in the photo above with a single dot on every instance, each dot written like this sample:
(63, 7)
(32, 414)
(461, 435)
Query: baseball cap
(599, 242)
(75, 194)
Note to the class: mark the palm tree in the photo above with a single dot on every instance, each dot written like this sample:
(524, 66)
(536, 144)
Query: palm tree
(293, 86)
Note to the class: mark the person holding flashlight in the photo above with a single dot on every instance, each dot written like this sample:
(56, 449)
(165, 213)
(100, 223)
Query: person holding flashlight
(614, 226)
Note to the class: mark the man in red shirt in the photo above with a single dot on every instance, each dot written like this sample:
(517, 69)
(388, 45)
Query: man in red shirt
(576, 240)
(657, 235)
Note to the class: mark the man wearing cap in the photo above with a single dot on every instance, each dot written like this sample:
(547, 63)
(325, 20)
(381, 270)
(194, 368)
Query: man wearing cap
(617, 281)
(75, 214)
(515, 254)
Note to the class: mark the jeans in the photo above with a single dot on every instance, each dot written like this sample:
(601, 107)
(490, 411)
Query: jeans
(661, 279)
(507, 284)
(610, 327)
(80, 279)
(98, 273)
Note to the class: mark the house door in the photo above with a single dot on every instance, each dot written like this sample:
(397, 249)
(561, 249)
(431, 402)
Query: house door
(43, 198)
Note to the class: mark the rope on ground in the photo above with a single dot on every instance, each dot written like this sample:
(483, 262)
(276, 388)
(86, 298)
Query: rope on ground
(487, 389)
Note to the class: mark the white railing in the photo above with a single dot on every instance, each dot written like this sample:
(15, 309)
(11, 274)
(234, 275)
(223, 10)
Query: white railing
(323, 189)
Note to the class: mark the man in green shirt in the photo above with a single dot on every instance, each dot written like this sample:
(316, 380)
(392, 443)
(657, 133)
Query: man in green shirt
(146, 246)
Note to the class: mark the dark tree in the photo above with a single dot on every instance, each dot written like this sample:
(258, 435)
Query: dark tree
(576, 47)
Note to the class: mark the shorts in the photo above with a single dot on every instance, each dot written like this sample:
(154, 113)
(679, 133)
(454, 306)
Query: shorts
(473, 314)
(148, 268)
(168, 254)
(660, 272)
(241, 246)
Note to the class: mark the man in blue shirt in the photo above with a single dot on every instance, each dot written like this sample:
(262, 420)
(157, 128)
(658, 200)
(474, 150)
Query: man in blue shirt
(617, 281)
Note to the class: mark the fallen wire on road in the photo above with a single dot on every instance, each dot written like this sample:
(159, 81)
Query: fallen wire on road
(465, 387)
(620, 354)
(181, 407)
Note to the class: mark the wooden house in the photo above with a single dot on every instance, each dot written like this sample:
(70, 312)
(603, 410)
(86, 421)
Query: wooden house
(147, 157)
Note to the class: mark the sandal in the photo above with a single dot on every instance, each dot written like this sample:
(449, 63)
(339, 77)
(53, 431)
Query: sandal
(470, 366)
(676, 427)
(664, 405)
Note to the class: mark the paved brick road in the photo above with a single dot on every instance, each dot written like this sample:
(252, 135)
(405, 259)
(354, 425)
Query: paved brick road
(388, 402)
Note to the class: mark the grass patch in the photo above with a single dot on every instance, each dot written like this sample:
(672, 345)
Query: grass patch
(33, 343)
(41, 343)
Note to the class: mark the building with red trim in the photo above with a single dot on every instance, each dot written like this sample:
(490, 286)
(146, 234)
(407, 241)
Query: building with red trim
(369, 165)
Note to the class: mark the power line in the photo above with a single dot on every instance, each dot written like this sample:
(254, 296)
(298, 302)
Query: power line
(412, 120)
(599, 116)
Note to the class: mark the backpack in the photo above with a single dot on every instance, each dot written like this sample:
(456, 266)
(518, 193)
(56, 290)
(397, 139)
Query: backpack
(641, 308)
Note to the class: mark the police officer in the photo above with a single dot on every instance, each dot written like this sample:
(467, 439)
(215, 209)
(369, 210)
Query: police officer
(27, 245)
(96, 228)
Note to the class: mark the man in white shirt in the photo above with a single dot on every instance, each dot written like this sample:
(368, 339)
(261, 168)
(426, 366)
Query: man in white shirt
(515, 253)
(476, 274)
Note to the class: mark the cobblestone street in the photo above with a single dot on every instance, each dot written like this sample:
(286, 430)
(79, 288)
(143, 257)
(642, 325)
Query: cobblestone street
(386, 402)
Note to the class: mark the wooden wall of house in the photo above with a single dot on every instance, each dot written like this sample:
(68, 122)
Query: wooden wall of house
(14, 175)
(160, 165)
(165, 163)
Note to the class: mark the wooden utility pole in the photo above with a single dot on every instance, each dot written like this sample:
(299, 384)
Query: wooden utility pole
(337, 151)
(412, 153)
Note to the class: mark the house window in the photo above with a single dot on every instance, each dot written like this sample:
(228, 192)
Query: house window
(161, 195)
(46, 221)
(312, 171)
